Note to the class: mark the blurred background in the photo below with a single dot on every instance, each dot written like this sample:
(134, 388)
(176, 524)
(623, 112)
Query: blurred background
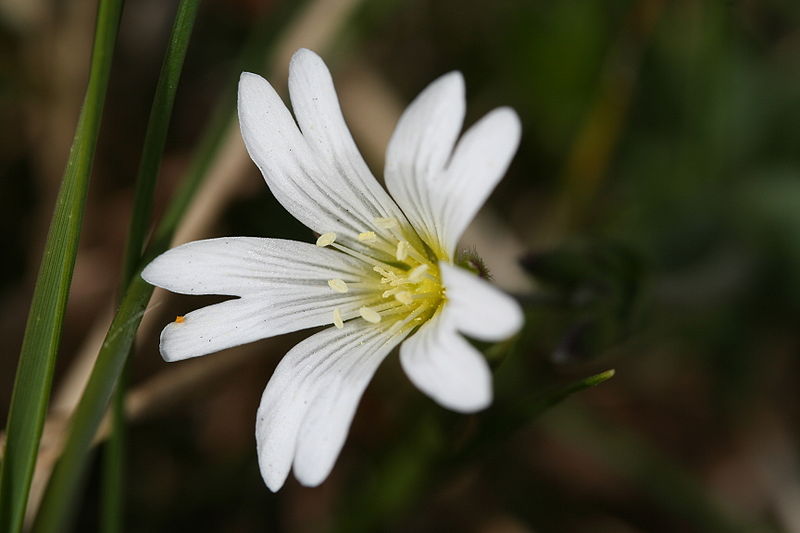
(650, 223)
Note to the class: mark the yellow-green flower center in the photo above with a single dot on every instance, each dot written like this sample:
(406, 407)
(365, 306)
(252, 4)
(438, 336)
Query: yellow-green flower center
(401, 284)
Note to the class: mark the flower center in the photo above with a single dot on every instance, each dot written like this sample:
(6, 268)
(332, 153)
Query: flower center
(400, 285)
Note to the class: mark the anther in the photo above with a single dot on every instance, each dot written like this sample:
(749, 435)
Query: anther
(367, 236)
(326, 239)
(180, 319)
(370, 315)
(338, 285)
(385, 222)
(383, 272)
(337, 318)
(417, 272)
(402, 250)
(404, 297)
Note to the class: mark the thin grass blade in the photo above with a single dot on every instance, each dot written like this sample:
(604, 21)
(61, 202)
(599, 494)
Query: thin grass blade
(112, 507)
(43, 331)
(64, 483)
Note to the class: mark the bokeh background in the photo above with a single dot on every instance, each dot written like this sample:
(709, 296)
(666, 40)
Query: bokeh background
(650, 223)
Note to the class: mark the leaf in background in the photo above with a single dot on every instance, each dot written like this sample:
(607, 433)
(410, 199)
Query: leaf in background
(43, 331)
(594, 288)
(429, 453)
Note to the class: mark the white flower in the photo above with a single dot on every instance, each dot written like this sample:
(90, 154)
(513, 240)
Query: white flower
(381, 272)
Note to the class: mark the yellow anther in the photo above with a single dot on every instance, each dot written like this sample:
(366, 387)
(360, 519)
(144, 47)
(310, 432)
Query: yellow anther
(367, 236)
(338, 285)
(417, 272)
(402, 250)
(180, 319)
(404, 297)
(390, 292)
(337, 318)
(383, 272)
(370, 315)
(385, 223)
(326, 239)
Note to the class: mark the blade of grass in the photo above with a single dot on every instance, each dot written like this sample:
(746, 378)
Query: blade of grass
(156, 134)
(43, 331)
(112, 503)
(63, 485)
(153, 149)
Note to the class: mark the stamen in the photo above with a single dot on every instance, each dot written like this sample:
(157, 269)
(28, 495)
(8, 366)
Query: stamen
(404, 297)
(338, 285)
(402, 250)
(370, 315)
(337, 318)
(357, 255)
(390, 292)
(414, 315)
(385, 222)
(416, 255)
(384, 272)
(326, 239)
(367, 236)
(398, 295)
(180, 319)
(424, 295)
(417, 272)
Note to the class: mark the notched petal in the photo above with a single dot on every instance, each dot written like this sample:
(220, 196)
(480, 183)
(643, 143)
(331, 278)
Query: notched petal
(478, 309)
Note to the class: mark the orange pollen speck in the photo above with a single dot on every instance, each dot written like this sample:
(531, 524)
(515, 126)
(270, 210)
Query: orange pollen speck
(180, 319)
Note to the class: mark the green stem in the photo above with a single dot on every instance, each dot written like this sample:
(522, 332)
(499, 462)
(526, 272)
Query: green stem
(45, 319)
(113, 480)
(156, 134)
(152, 152)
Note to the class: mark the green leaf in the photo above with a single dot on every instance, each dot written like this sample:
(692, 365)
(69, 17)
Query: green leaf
(64, 483)
(43, 331)
(430, 452)
(156, 134)
(512, 413)
(153, 149)
(594, 291)
(557, 396)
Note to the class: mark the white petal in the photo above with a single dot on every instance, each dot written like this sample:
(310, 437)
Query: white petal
(279, 150)
(283, 284)
(443, 365)
(311, 182)
(239, 266)
(316, 107)
(235, 322)
(420, 148)
(478, 309)
(480, 160)
(213, 328)
(309, 402)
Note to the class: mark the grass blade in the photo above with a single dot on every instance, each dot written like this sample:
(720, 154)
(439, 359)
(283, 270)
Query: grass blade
(153, 149)
(43, 331)
(65, 480)
(156, 134)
